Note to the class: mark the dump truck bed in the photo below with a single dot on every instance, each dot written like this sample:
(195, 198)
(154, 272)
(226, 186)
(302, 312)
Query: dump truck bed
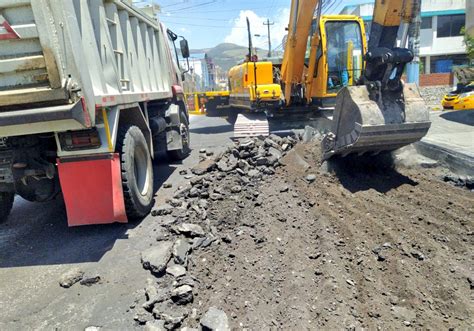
(60, 60)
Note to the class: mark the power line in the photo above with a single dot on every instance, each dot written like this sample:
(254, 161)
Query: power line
(201, 25)
(193, 6)
(200, 18)
(226, 10)
(174, 4)
(271, 7)
(332, 5)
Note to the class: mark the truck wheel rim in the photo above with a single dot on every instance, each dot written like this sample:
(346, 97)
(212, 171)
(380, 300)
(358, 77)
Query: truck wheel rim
(184, 134)
(142, 171)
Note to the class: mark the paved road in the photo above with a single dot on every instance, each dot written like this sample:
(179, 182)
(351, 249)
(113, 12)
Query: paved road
(450, 140)
(37, 247)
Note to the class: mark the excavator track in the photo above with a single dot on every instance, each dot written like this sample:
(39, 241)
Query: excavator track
(251, 125)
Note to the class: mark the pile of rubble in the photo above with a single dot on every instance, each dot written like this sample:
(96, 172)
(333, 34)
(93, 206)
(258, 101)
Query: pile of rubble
(189, 224)
(434, 94)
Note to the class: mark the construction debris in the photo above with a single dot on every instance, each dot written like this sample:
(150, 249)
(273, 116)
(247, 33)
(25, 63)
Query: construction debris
(234, 174)
(234, 225)
(71, 277)
(215, 320)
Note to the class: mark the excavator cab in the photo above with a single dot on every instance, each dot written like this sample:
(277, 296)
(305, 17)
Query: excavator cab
(344, 53)
(339, 56)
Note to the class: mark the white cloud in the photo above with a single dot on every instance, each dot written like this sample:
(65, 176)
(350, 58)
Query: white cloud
(184, 30)
(239, 36)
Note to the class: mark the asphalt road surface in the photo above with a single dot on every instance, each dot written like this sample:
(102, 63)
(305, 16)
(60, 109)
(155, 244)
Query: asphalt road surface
(37, 247)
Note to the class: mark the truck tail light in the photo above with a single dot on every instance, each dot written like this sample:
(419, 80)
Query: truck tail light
(77, 140)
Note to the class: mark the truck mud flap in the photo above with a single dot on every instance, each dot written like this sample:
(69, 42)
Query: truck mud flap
(92, 190)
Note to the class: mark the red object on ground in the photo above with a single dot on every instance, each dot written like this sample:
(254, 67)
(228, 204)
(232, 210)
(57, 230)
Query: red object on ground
(92, 191)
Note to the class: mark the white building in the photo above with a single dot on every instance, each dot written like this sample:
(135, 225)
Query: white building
(441, 42)
(203, 71)
(195, 71)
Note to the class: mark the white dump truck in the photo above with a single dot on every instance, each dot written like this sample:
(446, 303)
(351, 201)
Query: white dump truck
(90, 91)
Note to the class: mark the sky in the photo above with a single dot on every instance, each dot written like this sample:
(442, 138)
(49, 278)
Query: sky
(206, 23)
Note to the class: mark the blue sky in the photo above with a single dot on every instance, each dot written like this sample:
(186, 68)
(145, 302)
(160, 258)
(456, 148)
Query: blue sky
(206, 23)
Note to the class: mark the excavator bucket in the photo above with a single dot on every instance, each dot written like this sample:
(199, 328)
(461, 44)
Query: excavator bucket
(362, 125)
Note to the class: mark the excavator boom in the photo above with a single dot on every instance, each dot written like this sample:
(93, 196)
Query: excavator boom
(301, 16)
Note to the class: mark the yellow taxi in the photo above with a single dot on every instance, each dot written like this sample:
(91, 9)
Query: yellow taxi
(465, 101)
(452, 100)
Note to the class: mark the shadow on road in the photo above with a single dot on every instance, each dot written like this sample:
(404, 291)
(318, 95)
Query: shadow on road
(218, 112)
(460, 116)
(213, 129)
(37, 233)
(361, 173)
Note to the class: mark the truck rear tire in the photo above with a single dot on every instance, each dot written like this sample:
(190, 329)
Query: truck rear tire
(182, 153)
(6, 204)
(137, 171)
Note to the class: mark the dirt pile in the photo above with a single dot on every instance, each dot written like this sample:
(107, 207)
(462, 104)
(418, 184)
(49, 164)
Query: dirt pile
(365, 246)
(191, 225)
(353, 244)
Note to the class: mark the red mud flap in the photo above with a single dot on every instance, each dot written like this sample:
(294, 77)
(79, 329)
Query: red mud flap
(92, 190)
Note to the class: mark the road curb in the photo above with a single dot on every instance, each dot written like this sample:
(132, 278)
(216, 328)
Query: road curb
(458, 162)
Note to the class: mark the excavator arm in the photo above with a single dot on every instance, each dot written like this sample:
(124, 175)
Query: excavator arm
(382, 113)
(384, 61)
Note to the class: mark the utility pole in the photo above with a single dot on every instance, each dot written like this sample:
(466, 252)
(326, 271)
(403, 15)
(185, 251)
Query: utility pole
(268, 23)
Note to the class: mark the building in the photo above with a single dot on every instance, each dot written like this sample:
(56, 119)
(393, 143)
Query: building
(146, 6)
(441, 43)
(205, 73)
(195, 71)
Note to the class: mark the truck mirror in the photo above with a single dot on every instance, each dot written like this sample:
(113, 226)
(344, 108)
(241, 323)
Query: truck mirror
(183, 44)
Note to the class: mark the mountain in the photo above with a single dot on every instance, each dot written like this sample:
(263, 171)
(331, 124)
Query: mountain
(226, 55)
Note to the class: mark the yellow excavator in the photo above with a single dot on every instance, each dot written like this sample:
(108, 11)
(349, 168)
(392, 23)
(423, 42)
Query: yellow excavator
(328, 65)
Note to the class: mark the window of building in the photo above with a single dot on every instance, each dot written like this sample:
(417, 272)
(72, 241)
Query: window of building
(450, 25)
(426, 22)
(440, 64)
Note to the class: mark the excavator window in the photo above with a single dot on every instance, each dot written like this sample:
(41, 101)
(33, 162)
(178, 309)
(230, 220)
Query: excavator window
(344, 54)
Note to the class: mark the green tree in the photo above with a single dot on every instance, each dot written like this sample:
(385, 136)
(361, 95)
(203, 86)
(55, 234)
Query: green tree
(469, 42)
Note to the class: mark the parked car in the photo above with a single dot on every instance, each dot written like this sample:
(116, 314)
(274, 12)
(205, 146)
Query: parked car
(452, 99)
